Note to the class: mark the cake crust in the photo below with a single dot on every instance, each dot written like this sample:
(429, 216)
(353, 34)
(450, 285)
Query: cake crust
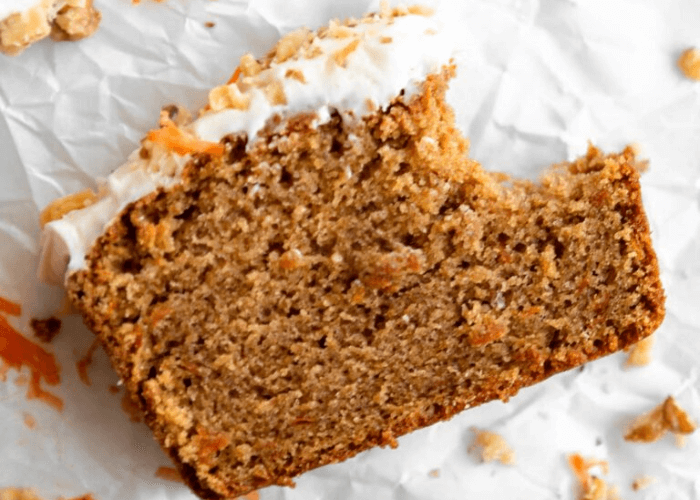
(331, 288)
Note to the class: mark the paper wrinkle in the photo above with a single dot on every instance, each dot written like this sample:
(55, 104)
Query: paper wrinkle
(536, 80)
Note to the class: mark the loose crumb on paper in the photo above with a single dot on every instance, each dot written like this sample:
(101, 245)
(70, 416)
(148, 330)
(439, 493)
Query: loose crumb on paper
(689, 63)
(640, 353)
(643, 482)
(46, 329)
(492, 447)
(591, 487)
(652, 426)
(169, 474)
(434, 473)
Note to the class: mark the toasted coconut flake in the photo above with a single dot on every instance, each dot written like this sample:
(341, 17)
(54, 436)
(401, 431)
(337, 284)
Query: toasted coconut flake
(341, 55)
(652, 426)
(60, 207)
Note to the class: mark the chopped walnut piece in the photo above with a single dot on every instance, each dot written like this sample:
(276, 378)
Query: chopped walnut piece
(60, 207)
(290, 44)
(336, 31)
(689, 63)
(75, 23)
(492, 446)
(249, 65)
(640, 353)
(20, 30)
(668, 416)
(228, 96)
(274, 91)
(591, 487)
(339, 56)
(399, 10)
(642, 482)
(295, 74)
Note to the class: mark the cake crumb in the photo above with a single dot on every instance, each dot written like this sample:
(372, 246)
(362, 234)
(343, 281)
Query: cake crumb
(640, 353)
(642, 482)
(434, 473)
(652, 426)
(29, 421)
(46, 329)
(253, 495)
(385, 39)
(591, 487)
(169, 474)
(492, 446)
(113, 389)
(689, 63)
(209, 24)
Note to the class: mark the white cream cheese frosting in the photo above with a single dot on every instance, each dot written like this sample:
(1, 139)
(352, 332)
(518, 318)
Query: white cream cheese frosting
(365, 66)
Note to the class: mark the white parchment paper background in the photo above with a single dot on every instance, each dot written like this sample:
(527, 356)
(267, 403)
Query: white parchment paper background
(536, 80)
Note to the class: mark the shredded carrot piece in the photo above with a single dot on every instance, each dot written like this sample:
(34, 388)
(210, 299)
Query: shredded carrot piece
(234, 77)
(10, 307)
(176, 140)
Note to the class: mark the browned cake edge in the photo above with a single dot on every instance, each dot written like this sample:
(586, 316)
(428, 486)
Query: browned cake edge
(623, 169)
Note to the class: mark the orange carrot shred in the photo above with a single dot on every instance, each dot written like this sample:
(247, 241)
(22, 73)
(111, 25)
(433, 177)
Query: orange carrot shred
(234, 77)
(176, 140)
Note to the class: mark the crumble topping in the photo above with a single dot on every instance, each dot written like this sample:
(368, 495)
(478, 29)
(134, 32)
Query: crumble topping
(652, 426)
(592, 487)
(492, 447)
(689, 63)
(640, 353)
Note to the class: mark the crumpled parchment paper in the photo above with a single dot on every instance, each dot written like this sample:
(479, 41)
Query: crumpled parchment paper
(536, 80)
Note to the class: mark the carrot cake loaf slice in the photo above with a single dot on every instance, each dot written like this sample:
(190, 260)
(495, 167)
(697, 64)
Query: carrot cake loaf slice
(23, 22)
(313, 266)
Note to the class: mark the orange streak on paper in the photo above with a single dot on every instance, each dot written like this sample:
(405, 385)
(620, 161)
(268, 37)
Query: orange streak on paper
(10, 307)
(169, 474)
(84, 363)
(16, 351)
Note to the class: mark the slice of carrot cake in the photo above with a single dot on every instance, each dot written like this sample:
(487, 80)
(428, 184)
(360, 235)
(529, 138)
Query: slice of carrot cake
(23, 22)
(314, 267)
